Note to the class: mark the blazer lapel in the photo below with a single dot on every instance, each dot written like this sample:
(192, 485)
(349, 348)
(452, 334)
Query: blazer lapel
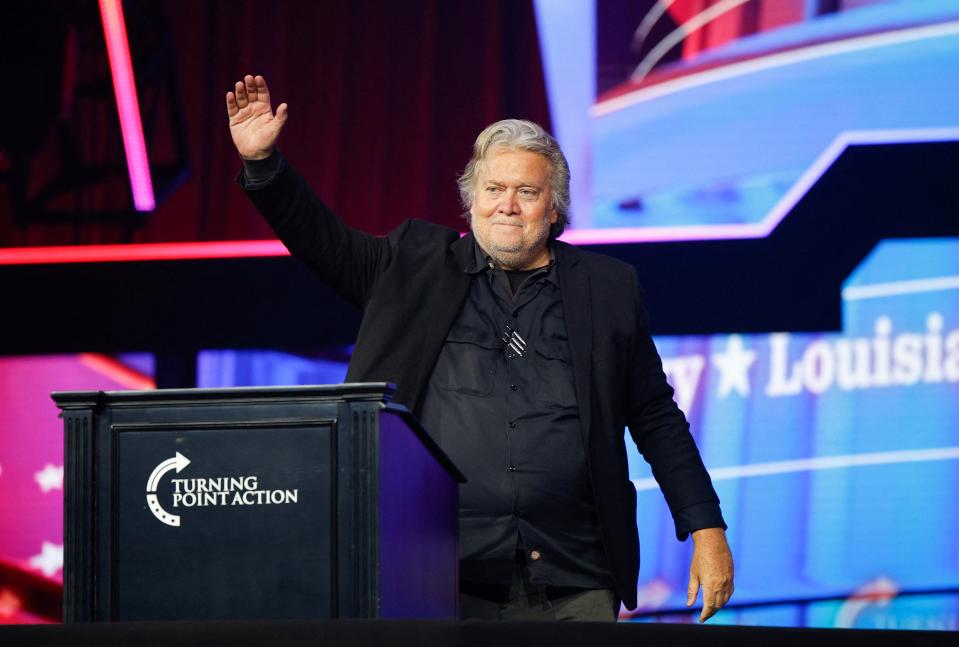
(447, 296)
(578, 312)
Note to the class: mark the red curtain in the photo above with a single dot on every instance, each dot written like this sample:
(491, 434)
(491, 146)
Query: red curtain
(385, 100)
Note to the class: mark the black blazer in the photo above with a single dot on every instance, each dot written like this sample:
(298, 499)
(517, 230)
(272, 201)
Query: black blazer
(411, 286)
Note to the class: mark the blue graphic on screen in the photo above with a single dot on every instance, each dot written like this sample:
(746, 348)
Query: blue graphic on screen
(724, 135)
(836, 456)
(225, 368)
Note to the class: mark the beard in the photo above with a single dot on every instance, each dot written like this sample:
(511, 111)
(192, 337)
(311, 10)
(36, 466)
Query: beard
(512, 259)
(516, 255)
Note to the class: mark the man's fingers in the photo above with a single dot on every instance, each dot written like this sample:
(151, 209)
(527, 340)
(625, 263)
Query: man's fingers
(727, 594)
(707, 613)
(710, 604)
(281, 113)
(239, 90)
(231, 107)
(692, 590)
(714, 600)
(710, 597)
(262, 92)
(248, 91)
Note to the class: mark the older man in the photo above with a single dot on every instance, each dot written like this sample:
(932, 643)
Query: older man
(526, 358)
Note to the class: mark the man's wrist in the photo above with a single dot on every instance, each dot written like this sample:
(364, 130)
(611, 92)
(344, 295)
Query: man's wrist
(707, 533)
(258, 156)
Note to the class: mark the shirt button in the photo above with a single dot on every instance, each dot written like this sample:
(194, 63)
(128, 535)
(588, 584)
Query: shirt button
(512, 468)
(513, 387)
(534, 555)
(512, 425)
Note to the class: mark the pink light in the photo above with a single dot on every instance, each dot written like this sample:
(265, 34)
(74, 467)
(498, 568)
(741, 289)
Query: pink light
(140, 252)
(117, 371)
(128, 107)
(621, 235)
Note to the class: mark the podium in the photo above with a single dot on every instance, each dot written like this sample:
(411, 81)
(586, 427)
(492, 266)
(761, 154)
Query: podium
(308, 502)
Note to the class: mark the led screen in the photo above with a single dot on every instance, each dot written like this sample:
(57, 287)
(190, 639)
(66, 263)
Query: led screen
(688, 119)
(835, 455)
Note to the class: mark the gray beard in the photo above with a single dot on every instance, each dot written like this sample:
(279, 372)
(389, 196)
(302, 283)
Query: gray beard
(512, 260)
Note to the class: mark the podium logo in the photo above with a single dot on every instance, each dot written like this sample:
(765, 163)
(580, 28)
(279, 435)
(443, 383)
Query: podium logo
(209, 492)
(177, 463)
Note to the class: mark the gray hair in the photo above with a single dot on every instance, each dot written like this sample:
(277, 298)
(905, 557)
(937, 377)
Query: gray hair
(519, 134)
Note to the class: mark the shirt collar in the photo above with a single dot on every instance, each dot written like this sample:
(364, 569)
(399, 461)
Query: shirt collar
(481, 261)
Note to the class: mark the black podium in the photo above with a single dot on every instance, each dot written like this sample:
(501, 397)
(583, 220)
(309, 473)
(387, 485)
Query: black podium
(307, 502)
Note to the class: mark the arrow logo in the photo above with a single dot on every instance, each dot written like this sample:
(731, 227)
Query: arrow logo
(178, 462)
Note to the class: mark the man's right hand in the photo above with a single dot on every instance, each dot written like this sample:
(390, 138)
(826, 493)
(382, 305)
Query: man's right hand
(253, 125)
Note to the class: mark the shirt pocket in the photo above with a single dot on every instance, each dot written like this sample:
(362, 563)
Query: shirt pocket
(554, 373)
(470, 359)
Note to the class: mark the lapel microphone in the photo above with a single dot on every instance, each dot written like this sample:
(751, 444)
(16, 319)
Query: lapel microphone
(515, 344)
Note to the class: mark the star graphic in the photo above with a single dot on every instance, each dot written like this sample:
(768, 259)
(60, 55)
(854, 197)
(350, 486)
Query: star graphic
(50, 559)
(733, 365)
(50, 478)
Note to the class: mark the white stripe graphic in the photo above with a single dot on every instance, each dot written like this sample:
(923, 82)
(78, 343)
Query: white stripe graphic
(679, 34)
(772, 61)
(896, 288)
(820, 463)
(649, 20)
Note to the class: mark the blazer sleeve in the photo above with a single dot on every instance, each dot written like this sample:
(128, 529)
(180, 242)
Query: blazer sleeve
(347, 259)
(661, 433)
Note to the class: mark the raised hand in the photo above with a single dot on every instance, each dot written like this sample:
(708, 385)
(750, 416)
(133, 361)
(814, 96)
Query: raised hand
(253, 125)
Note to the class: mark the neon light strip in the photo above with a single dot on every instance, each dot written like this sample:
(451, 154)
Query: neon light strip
(773, 61)
(896, 288)
(618, 235)
(820, 463)
(117, 371)
(141, 252)
(128, 107)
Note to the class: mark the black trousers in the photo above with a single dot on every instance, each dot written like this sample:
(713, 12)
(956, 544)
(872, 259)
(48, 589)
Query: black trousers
(524, 600)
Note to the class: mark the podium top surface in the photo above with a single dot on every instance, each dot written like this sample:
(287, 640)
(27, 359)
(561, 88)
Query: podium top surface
(380, 393)
(357, 392)
(353, 392)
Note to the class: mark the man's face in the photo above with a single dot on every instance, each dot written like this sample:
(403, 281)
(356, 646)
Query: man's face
(511, 213)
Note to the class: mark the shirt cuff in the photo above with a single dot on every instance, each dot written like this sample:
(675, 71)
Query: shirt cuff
(257, 174)
(696, 517)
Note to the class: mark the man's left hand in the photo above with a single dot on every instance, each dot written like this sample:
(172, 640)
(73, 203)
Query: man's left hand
(711, 569)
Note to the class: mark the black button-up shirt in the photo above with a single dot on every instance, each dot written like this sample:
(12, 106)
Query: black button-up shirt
(501, 403)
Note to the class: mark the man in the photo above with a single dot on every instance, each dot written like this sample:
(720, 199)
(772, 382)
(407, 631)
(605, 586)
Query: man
(525, 358)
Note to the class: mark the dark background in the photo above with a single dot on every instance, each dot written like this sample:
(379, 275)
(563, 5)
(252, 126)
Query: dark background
(385, 101)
